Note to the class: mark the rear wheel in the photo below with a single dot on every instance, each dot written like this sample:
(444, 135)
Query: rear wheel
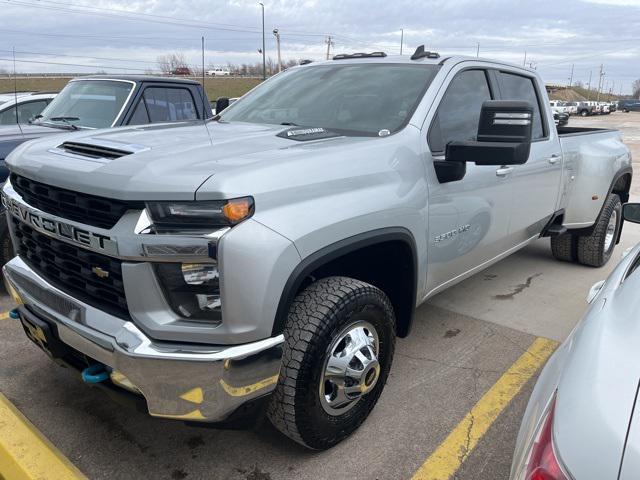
(562, 247)
(584, 113)
(595, 249)
(339, 344)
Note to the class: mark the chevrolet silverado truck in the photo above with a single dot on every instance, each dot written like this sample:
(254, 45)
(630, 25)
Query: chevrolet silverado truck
(88, 103)
(266, 260)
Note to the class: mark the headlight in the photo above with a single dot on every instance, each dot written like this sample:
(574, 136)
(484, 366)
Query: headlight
(192, 289)
(200, 214)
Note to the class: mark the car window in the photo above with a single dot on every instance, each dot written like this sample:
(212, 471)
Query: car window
(140, 115)
(459, 111)
(517, 87)
(169, 104)
(26, 111)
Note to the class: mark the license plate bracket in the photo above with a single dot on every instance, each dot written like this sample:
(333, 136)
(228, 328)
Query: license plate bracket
(43, 334)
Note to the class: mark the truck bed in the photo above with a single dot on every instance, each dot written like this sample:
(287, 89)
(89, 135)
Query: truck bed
(572, 131)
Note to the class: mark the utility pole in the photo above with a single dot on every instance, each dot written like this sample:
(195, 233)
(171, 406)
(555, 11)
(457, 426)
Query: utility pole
(329, 45)
(277, 34)
(571, 77)
(264, 57)
(524, 62)
(589, 85)
(478, 50)
(401, 39)
(600, 82)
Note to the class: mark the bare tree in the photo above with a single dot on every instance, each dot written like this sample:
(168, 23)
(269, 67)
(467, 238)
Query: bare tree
(168, 63)
(635, 88)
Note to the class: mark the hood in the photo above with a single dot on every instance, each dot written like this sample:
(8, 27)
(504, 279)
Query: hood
(13, 135)
(597, 391)
(153, 162)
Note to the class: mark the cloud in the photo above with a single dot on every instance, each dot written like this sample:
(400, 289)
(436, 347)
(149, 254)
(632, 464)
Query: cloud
(553, 34)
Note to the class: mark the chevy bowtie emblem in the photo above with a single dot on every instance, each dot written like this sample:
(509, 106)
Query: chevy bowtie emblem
(100, 272)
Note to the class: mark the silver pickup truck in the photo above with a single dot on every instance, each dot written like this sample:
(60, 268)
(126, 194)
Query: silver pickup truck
(265, 260)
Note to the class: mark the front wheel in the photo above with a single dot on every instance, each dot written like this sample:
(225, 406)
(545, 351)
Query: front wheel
(339, 344)
(584, 113)
(595, 249)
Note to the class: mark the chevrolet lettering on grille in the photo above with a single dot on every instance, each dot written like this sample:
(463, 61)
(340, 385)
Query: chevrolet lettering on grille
(61, 230)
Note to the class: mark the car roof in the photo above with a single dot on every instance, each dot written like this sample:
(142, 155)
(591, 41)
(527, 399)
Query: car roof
(25, 96)
(139, 79)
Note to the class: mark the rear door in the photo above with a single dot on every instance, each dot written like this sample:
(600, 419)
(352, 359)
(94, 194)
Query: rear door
(536, 184)
(469, 218)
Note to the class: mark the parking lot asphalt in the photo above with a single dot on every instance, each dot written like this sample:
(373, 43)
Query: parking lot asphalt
(464, 341)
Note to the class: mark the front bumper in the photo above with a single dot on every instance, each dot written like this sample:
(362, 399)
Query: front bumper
(182, 381)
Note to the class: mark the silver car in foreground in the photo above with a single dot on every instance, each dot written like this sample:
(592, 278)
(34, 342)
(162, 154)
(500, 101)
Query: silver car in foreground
(583, 418)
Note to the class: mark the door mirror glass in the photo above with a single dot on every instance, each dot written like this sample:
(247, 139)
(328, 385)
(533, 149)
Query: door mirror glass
(631, 212)
(504, 136)
(221, 104)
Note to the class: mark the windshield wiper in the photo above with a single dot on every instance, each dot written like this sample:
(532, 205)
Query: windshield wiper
(290, 124)
(67, 121)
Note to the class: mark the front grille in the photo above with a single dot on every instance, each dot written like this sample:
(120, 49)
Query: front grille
(93, 151)
(72, 269)
(80, 207)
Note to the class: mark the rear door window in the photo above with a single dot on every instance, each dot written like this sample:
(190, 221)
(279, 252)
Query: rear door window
(518, 87)
(459, 110)
(167, 105)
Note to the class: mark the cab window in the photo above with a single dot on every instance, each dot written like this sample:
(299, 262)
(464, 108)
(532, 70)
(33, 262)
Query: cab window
(518, 87)
(459, 111)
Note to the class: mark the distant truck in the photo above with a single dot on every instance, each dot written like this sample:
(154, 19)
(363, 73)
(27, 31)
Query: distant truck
(218, 72)
(267, 259)
(181, 71)
(88, 103)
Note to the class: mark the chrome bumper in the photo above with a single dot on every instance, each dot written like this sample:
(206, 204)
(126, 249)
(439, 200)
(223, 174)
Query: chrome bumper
(190, 382)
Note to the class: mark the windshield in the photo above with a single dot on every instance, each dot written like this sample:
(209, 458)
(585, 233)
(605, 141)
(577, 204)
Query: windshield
(87, 103)
(358, 99)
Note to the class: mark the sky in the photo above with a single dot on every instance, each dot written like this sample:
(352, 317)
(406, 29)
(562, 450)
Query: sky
(128, 36)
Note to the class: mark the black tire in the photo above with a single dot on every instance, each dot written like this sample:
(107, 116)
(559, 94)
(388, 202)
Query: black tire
(316, 317)
(6, 252)
(562, 247)
(584, 113)
(591, 248)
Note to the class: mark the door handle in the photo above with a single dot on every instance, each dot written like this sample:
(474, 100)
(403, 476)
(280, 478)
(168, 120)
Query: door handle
(504, 171)
(553, 159)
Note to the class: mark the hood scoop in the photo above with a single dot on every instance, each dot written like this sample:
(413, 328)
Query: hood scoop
(101, 150)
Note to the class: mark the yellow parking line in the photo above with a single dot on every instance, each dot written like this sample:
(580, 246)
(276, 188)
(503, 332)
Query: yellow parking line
(4, 315)
(25, 454)
(455, 449)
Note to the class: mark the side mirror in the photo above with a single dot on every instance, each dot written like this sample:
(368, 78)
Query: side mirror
(594, 291)
(504, 136)
(631, 212)
(221, 104)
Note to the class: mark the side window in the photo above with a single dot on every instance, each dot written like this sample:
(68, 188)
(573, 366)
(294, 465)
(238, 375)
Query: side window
(517, 87)
(140, 115)
(169, 104)
(28, 110)
(459, 111)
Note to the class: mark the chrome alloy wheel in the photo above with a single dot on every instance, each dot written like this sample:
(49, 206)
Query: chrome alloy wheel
(351, 368)
(611, 231)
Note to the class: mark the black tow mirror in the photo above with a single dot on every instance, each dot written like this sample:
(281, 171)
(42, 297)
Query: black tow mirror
(504, 136)
(221, 104)
(631, 212)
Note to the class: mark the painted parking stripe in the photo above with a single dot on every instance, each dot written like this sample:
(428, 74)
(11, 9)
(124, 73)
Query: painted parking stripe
(457, 447)
(4, 315)
(25, 454)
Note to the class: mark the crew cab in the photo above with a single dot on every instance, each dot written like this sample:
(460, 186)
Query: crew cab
(88, 103)
(266, 260)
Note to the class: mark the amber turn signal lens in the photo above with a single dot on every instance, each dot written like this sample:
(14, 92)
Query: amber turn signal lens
(237, 209)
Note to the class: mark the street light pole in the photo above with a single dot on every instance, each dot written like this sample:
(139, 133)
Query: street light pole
(277, 35)
(264, 58)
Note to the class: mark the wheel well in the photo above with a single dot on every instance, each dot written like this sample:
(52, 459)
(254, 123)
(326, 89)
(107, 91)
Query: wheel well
(622, 187)
(388, 263)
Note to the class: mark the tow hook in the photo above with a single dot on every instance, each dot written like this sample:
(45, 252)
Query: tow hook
(14, 314)
(96, 373)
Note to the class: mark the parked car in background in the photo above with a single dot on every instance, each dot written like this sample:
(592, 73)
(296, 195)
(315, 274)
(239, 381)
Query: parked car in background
(226, 269)
(627, 106)
(584, 109)
(101, 102)
(181, 71)
(613, 106)
(604, 108)
(29, 104)
(558, 106)
(572, 108)
(585, 403)
(219, 72)
(560, 119)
